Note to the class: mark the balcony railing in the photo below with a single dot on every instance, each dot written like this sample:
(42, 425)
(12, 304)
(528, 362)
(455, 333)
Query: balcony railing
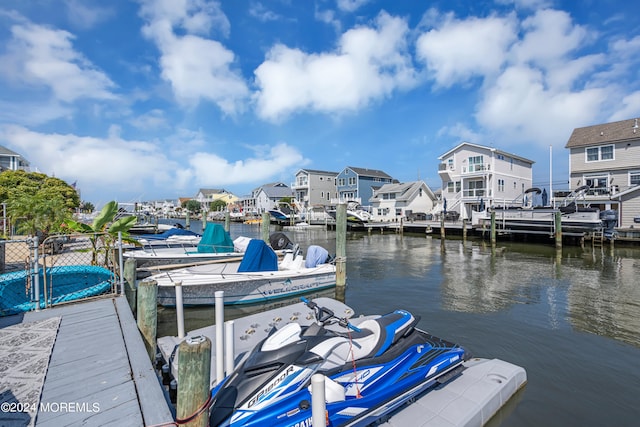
(476, 168)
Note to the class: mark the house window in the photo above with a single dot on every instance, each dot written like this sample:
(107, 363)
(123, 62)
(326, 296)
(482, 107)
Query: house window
(475, 164)
(322, 194)
(450, 187)
(352, 180)
(398, 212)
(598, 184)
(596, 154)
(450, 164)
(458, 186)
(501, 185)
(500, 157)
(341, 182)
(634, 178)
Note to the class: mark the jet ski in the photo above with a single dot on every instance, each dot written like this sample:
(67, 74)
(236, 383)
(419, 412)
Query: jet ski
(372, 365)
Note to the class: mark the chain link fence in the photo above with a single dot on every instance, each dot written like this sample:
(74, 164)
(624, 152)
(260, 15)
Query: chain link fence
(37, 274)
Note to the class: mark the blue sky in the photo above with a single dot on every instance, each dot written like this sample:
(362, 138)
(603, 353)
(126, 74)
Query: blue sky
(154, 99)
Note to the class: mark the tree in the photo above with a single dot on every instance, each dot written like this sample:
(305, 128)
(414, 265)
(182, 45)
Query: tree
(15, 184)
(103, 232)
(87, 207)
(192, 206)
(218, 205)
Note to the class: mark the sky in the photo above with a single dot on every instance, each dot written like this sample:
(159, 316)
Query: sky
(155, 99)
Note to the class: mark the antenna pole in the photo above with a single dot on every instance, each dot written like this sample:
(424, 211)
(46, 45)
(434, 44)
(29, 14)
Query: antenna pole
(553, 202)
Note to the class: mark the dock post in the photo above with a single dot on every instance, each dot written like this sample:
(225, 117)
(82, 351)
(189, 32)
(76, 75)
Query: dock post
(148, 314)
(493, 228)
(558, 229)
(130, 282)
(121, 262)
(229, 349)
(341, 247)
(442, 231)
(227, 221)
(194, 371)
(219, 307)
(318, 405)
(265, 226)
(464, 229)
(179, 309)
(204, 220)
(187, 223)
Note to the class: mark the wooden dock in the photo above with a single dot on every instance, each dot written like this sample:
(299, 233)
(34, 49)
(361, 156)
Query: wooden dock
(99, 372)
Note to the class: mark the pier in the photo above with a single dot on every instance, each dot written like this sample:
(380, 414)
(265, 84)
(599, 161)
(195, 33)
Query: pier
(79, 364)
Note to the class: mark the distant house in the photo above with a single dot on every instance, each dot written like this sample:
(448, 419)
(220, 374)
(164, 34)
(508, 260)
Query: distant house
(268, 195)
(358, 184)
(604, 162)
(474, 176)
(10, 160)
(207, 196)
(410, 200)
(314, 187)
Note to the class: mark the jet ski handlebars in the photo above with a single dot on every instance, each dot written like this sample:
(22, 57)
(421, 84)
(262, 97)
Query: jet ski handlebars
(324, 315)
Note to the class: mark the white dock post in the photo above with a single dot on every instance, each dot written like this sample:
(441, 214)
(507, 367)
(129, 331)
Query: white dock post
(219, 307)
(121, 263)
(318, 405)
(179, 309)
(229, 347)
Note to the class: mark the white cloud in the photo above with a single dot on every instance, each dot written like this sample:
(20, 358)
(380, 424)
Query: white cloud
(458, 50)
(44, 57)
(519, 108)
(154, 119)
(102, 164)
(196, 67)
(86, 16)
(260, 12)
(369, 64)
(351, 5)
(629, 107)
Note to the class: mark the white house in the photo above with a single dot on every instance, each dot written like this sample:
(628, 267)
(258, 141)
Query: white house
(402, 200)
(10, 160)
(474, 176)
(267, 196)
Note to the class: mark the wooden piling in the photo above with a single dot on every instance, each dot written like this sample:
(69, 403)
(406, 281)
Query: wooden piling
(341, 247)
(442, 232)
(187, 221)
(464, 229)
(194, 371)
(130, 291)
(204, 221)
(265, 227)
(558, 229)
(227, 221)
(493, 228)
(148, 314)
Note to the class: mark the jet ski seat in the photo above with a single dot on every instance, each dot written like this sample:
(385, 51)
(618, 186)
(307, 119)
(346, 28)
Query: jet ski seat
(380, 333)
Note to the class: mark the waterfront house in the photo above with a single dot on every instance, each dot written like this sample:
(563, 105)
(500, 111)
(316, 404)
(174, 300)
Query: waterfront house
(475, 176)
(267, 196)
(604, 163)
(10, 160)
(315, 187)
(409, 200)
(358, 184)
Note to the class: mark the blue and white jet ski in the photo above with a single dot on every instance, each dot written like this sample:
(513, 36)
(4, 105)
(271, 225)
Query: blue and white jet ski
(371, 367)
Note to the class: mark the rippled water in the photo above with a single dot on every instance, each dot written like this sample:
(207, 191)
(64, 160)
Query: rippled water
(571, 320)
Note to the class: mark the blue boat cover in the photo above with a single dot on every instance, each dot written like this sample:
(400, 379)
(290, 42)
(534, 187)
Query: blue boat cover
(258, 257)
(175, 231)
(316, 255)
(215, 240)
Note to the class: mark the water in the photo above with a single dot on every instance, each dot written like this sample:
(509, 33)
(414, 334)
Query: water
(572, 321)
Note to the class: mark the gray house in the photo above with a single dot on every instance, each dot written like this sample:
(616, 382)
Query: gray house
(315, 187)
(267, 196)
(604, 161)
(10, 160)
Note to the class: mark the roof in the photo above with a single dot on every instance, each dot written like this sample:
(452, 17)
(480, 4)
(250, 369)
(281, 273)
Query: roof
(623, 130)
(317, 172)
(276, 190)
(4, 151)
(404, 191)
(374, 173)
(206, 191)
(484, 147)
(624, 193)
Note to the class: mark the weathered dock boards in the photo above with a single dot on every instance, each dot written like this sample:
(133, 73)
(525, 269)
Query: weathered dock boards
(99, 372)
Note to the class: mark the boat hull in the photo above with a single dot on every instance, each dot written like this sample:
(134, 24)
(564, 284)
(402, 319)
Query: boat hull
(542, 220)
(242, 288)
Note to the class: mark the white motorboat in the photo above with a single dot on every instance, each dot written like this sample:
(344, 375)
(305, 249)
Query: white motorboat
(258, 278)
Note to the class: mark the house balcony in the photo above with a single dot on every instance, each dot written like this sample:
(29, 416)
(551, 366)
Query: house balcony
(481, 169)
(446, 172)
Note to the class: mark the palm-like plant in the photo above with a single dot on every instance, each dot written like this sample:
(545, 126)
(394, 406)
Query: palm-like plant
(103, 232)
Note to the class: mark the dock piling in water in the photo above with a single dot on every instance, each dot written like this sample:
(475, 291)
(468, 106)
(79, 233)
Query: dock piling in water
(265, 226)
(194, 371)
(341, 246)
(148, 314)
